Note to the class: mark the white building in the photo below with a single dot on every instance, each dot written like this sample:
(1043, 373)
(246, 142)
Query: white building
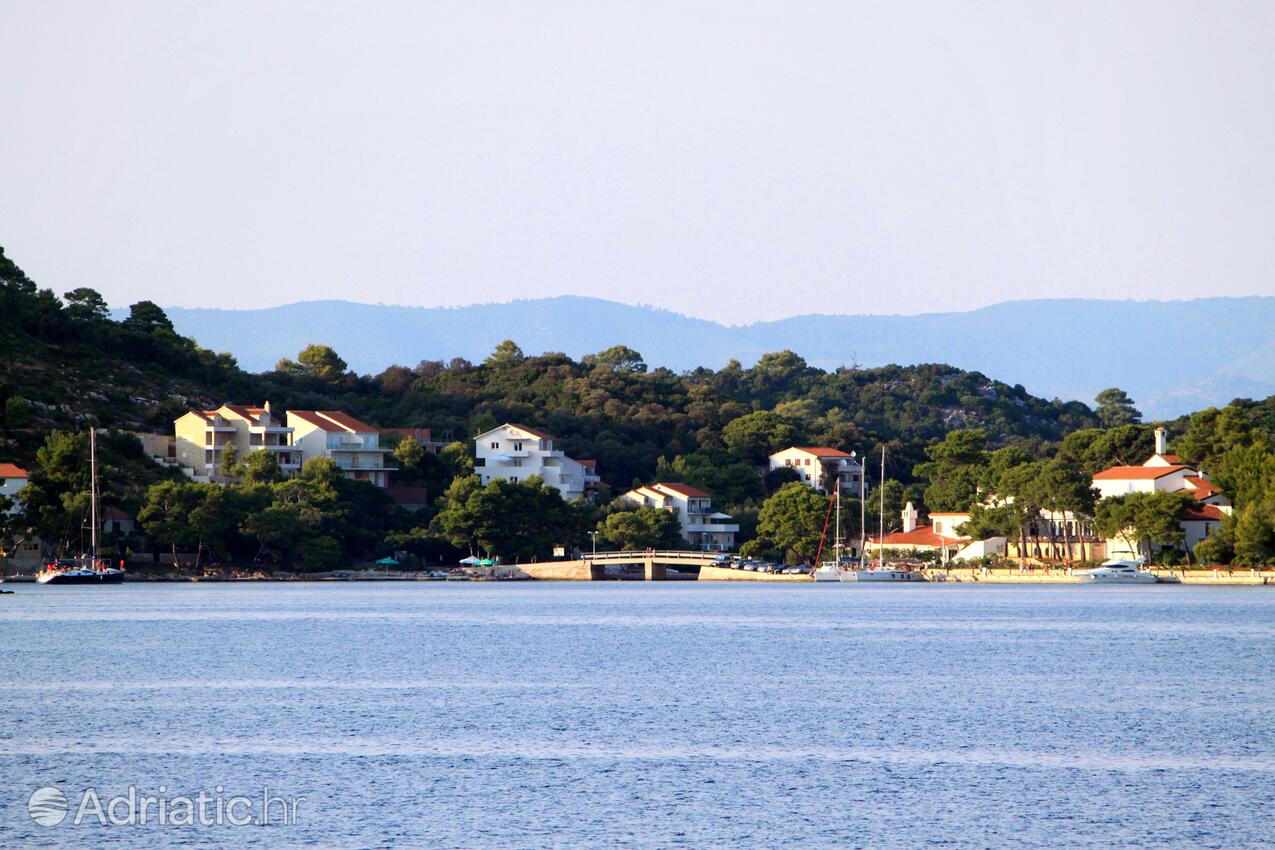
(515, 453)
(12, 479)
(701, 525)
(355, 446)
(912, 538)
(1166, 473)
(814, 463)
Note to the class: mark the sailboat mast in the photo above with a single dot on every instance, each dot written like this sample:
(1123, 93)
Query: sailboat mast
(881, 518)
(93, 490)
(863, 513)
(836, 545)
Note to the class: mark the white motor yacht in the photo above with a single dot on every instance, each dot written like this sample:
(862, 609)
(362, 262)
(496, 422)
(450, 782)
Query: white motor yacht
(1118, 572)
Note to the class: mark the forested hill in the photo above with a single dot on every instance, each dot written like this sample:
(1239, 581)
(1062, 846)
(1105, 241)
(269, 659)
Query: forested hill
(1171, 356)
(65, 361)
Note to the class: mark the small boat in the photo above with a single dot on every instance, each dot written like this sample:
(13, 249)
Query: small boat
(882, 574)
(1118, 572)
(88, 568)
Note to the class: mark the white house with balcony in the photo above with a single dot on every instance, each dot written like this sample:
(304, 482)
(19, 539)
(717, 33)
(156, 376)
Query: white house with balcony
(815, 464)
(203, 436)
(702, 526)
(515, 452)
(353, 445)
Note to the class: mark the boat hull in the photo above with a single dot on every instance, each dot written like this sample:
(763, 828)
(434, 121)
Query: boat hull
(111, 577)
(1142, 578)
(881, 575)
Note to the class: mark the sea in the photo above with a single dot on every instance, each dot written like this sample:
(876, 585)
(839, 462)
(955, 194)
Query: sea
(643, 715)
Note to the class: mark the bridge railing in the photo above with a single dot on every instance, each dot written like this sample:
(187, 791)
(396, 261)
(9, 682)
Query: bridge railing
(642, 555)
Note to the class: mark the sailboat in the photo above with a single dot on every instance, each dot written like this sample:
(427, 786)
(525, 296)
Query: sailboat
(880, 572)
(87, 569)
(836, 569)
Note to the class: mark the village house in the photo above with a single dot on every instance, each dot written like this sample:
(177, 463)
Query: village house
(1164, 472)
(940, 536)
(816, 465)
(12, 479)
(702, 527)
(353, 445)
(515, 452)
(203, 436)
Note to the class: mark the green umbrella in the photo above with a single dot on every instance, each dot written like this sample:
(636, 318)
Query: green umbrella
(389, 562)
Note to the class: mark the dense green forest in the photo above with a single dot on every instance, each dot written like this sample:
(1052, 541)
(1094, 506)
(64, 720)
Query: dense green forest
(946, 432)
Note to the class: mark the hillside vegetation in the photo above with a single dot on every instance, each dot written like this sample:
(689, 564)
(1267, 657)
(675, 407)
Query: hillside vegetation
(949, 436)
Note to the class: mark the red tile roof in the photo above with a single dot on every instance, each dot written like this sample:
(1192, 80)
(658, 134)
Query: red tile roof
(949, 513)
(922, 535)
(112, 512)
(9, 470)
(589, 463)
(1172, 459)
(313, 417)
(819, 451)
(1200, 488)
(1136, 473)
(683, 489)
(331, 420)
(346, 421)
(1205, 512)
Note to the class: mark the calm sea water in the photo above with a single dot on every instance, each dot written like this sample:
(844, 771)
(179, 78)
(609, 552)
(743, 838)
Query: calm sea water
(648, 715)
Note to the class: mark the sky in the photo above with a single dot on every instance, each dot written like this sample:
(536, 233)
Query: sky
(737, 161)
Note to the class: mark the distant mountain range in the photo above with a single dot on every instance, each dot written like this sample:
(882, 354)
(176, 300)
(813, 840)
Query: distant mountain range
(1171, 356)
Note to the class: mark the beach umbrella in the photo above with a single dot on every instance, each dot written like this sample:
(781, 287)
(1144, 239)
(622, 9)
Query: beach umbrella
(471, 560)
(388, 562)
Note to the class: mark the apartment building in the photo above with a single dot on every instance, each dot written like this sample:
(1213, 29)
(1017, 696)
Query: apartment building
(702, 526)
(515, 452)
(203, 436)
(353, 445)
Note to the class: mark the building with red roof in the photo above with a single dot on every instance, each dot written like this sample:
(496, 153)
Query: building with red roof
(12, 479)
(351, 444)
(203, 438)
(1165, 472)
(702, 526)
(816, 465)
(514, 452)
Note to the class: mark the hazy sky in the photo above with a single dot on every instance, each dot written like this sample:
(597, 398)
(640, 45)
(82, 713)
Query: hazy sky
(734, 160)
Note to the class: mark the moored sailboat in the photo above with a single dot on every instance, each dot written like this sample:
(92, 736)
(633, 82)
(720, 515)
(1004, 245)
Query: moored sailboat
(880, 572)
(88, 568)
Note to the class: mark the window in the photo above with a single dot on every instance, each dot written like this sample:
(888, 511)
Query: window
(517, 463)
(208, 438)
(208, 456)
(513, 478)
(495, 444)
(517, 447)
